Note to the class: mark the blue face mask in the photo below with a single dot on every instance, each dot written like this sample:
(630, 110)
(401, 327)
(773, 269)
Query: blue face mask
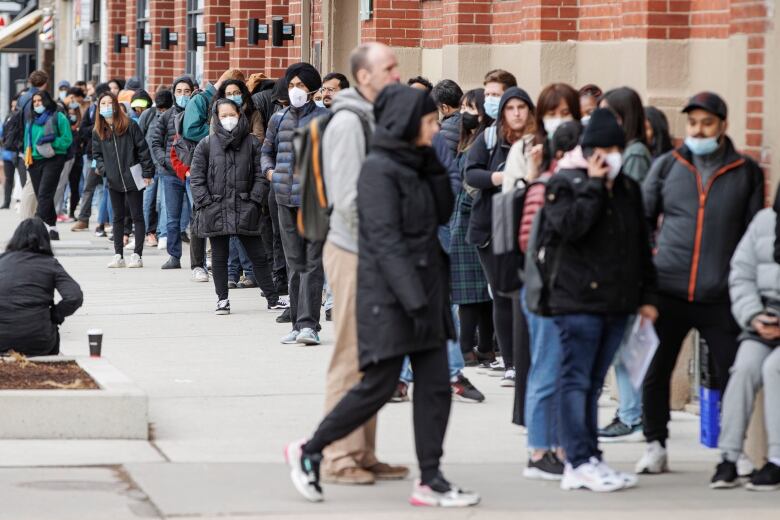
(702, 145)
(491, 106)
(74, 106)
(107, 113)
(182, 101)
(72, 118)
(320, 104)
(238, 100)
(40, 109)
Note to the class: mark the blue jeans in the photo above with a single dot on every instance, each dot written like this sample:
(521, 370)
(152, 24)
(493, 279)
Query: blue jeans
(454, 356)
(238, 259)
(176, 200)
(105, 215)
(589, 343)
(543, 393)
(630, 407)
(150, 194)
(162, 210)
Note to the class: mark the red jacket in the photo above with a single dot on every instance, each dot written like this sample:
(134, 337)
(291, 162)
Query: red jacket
(534, 200)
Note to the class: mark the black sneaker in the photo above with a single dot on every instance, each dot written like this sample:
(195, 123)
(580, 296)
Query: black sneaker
(284, 317)
(401, 393)
(53, 234)
(172, 263)
(329, 315)
(278, 304)
(765, 479)
(223, 307)
(725, 477)
(618, 431)
(463, 390)
(549, 467)
(100, 232)
(185, 237)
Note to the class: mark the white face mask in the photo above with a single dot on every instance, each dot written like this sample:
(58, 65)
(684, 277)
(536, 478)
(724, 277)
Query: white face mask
(298, 97)
(229, 123)
(585, 120)
(551, 124)
(615, 161)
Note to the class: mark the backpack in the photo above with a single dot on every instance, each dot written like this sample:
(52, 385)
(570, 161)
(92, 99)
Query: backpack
(13, 131)
(182, 149)
(314, 215)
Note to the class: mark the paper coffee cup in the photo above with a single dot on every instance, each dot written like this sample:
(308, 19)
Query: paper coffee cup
(95, 342)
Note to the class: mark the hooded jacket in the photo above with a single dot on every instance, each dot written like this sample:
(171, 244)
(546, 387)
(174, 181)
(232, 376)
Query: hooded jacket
(343, 153)
(446, 145)
(702, 223)
(403, 196)
(115, 155)
(228, 185)
(164, 132)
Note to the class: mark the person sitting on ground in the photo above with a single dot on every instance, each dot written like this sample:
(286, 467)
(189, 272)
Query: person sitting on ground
(29, 275)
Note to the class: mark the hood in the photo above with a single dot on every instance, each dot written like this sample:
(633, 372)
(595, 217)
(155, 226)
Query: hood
(515, 93)
(351, 99)
(572, 160)
(399, 109)
(182, 79)
(234, 138)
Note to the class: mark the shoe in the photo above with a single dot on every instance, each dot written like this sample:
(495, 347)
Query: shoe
(54, 234)
(246, 283)
(62, 218)
(135, 261)
(464, 391)
(162, 243)
(495, 368)
(308, 337)
(590, 476)
(223, 307)
(172, 263)
(383, 471)
(401, 394)
(329, 315)
(100, 232)
(304, 471)
(725, 477)
(80, 226)
(185, 237)
(200, 275)
(232, 284)
(765, 479)
(440, 493)
(130, 244)
(629, 479)
(285, 317)
(280, 304)
(483, 367)
(654, 460)
(509, 378)
(291, 338)
(618, 431)
(351, 476)
(546, 468)
(151, 240)
(117, 262)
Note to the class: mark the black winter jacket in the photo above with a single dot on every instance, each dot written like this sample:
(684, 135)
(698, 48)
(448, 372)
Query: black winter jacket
(28, 315)
(446, 145)
(227, 181)
(598, 250)
(701, 225)
(480, 165)
(162, 138)
(114, 157)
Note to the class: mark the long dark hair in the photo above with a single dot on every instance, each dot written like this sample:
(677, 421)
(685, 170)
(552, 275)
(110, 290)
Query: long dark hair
(48, 103)
(120, 120)
(662, 139)
(31, 235)
(627, 105)
(247, 105)
(476, 98)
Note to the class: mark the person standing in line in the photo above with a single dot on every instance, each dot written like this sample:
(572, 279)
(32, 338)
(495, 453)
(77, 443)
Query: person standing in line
(332, 84)
(589, 101)
(154, 215)
(659, 141)
(10, 154)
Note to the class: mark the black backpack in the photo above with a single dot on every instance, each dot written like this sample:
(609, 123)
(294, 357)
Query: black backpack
(13, 132)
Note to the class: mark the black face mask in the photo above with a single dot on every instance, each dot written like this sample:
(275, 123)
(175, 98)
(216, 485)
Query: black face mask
(469, 121)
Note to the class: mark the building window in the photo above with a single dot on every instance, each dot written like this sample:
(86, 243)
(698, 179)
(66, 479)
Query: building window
(195, 20)
(141, 54)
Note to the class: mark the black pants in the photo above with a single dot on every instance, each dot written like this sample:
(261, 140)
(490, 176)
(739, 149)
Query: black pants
(521, 350)
(93, 181)
(279, 262)
(220, 251)
(9, 167)
(473, 317)
(45, 175)
(502, 310)
(431, 402)
(304, 270)
(135, 206)
(74, 182)
(676, 317)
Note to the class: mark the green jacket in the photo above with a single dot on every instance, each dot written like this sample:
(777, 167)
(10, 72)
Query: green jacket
(62, 141)
(196, 114)
(637, 161)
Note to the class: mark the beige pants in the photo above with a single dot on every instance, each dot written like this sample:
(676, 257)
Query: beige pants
(29, 203)
(357, 448)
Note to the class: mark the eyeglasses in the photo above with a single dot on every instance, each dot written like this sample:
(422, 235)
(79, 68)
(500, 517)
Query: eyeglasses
(329, 90)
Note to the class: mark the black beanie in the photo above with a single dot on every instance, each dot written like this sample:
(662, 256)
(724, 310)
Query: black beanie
(603, 131)
(306, 73)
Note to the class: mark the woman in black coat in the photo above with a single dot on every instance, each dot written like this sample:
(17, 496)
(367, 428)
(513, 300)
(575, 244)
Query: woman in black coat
(228, 187)
(402, 295)
(29, 275)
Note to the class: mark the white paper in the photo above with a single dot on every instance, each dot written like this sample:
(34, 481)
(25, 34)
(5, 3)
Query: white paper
(638, 352)
(138, 176)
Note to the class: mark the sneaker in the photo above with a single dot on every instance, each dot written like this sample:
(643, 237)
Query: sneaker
(200, 275)
(590, 476)
(54, 234)
(464, 391)
(135, 261)
(546, 468)
(232, 284)
(284, 317)
(765, 479)
(329, 315)
(130, 244)
(185, 237)
(304, 471)
(440, 493)
(618, 431)
(172, 263)
(280, 304)
(496, 368)
(151, 240)
(725, 476)
(246, 283)
(654, 460)
(291, 338)
(401, 394)
(509, 378)
(63, 218)
(162, 243)
(308, 337)
(475, 358)
(117, 262)
(629, 479)
(80, 226)
(100, 232)
(223, 307)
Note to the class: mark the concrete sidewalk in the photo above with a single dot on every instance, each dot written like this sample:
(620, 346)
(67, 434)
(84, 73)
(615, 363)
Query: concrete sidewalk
(225, 396)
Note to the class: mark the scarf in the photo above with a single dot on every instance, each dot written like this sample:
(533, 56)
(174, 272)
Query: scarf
(38, 120)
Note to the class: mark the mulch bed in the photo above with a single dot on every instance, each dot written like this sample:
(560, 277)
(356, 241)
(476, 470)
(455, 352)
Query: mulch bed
(19, 373)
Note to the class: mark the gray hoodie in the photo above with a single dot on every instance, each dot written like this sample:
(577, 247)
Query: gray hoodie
(344, 150)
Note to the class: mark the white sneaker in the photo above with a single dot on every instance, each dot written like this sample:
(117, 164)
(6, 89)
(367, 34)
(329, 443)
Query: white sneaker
(509, 378)
(629, 479)
(590, 476)
(654, 460)
(117, 262)
(425, 496)
(135, 261)
(162, 243)
(130, 244)
(304, 472)
(200, 275)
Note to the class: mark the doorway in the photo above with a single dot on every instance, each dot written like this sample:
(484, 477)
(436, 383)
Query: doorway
(344, 34)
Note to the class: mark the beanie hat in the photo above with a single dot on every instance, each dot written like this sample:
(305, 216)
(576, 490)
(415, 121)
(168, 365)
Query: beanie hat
(163, 99)
(133, 84)
(306, 73)
(603, 131)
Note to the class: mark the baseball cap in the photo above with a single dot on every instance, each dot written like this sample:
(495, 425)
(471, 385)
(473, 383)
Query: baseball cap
(708, 101)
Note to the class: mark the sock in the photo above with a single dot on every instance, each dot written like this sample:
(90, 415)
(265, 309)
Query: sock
(775, 461)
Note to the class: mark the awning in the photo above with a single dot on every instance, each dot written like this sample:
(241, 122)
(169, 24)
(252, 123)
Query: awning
(20, 28)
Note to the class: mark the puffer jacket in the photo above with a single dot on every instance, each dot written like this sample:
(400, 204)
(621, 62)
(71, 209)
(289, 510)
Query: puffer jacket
(228, 185)
(755, 276)
(278, 154)
(164, 132)
(702, 224)
(114, 157)
(446, 145)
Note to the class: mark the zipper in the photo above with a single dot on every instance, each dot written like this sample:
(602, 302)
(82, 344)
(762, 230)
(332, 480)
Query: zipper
(119, 165)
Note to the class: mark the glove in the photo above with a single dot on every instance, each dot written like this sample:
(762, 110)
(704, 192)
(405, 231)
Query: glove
(421, 324)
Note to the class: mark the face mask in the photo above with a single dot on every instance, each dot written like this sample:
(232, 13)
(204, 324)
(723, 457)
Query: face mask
(469, 121)
(491, 106)
(615, 161)
(107, 113)
(551, 124)
(238, 100)
(320, 104)
(40, 109)
(182, 101)
(702, 145)
(585, 120)
(229, 123)
(63, 95)
(72, 118)
(74, 106)
(298, 97)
